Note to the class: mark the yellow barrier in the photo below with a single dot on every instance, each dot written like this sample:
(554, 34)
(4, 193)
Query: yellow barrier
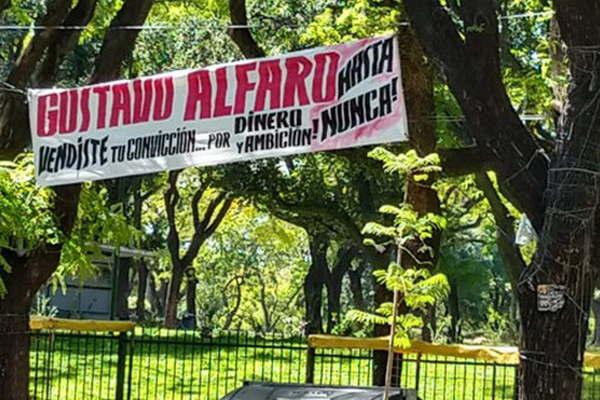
(39, 323)
(496, 354)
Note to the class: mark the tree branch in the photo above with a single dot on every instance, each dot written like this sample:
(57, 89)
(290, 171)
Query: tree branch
(208, 213)
(118, 43)
(205, 228)
(63, 41)
(239, 33)
(171, 198)
(472, 69)
(195, 207)
(216, 221)
(464, 161)
(505, 232)
(437, 33)
(25, 65)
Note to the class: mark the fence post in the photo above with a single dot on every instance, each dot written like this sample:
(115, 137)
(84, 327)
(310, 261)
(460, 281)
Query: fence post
(121, 361)
(418, 371)
(494, 381)
(310, 364)
(131, 348)
(516, 391)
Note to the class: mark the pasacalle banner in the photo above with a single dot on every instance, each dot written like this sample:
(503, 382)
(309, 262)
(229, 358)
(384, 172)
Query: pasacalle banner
(325, 98)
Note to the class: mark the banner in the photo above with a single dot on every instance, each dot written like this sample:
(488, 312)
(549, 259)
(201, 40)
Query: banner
(326, 98)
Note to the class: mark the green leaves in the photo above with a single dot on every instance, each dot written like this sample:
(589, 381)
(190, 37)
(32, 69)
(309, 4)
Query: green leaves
(410, 232)
(407, 225)
(408, 163)
(25, 218)
(418, 289)
(27, 221)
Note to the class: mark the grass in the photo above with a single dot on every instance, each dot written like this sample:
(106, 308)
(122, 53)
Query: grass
(169, 365)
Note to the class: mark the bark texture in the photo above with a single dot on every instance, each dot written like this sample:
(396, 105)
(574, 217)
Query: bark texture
(561, 197)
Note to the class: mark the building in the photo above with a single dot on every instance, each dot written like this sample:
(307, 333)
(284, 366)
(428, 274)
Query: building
(103, 297)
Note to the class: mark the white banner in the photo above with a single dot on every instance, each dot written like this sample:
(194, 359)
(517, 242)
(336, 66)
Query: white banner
(326, 98)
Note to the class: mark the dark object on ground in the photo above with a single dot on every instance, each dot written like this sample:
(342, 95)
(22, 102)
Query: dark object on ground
(275, 391)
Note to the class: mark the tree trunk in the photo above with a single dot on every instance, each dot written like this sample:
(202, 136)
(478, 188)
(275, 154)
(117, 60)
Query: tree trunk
(334, 294)
(454, 310)
(335, 278)
(14, 355)
(14, 336)
(430, 326)
(596, 311)
(356, 287)
(29, 273)
(382, 295)
(122, 271)
(314, 283)
(190, 297)
(141, 291)
(157, 296)
(173, 297)
(238, 281)
(552, 346)
(553, 340)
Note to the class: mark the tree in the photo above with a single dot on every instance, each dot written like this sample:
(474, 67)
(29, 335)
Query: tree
(557, 191)
(37, 64)
(203, 225)
(250, 273)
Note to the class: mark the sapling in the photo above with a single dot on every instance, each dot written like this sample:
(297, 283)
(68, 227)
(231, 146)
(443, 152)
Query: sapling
(409, 278)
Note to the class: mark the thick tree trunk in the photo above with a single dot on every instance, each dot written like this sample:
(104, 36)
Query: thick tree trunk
(314, 282)
(29, 273)
(553, 340)
(190, 295)
(14, 336)
(173, 297)
(14, 355)
(552, 346)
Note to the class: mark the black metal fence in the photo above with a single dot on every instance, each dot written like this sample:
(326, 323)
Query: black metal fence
(174, 365)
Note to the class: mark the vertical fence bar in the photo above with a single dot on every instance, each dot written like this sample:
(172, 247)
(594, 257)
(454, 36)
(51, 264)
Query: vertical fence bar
(131, 349)
(35, 338)
(494, 382)
(121, 361)
(417, 372)
(49, 364)
(516, 386)
(310, 364)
